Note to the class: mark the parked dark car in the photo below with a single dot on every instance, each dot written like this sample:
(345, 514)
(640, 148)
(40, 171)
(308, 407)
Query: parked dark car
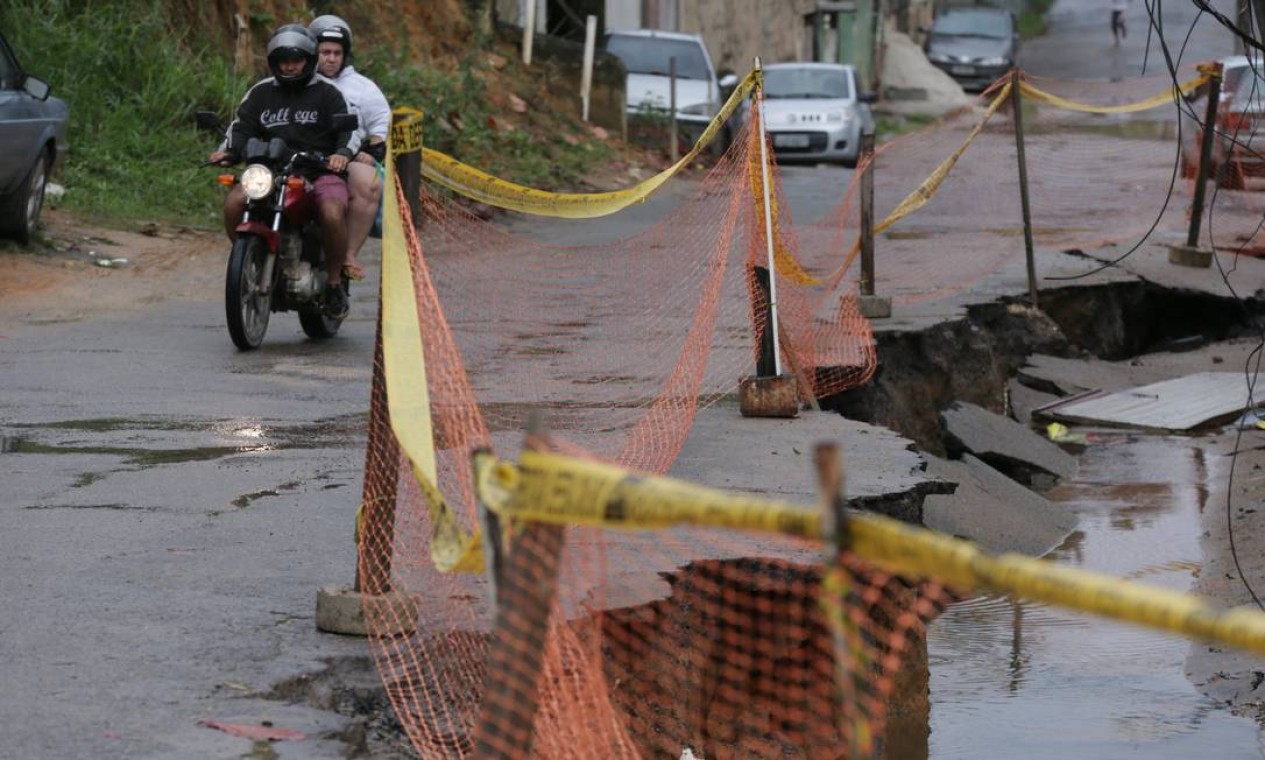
(32, 144)
(975, 46)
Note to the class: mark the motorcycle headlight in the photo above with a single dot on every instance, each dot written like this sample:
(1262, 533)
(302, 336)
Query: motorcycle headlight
(257, 181)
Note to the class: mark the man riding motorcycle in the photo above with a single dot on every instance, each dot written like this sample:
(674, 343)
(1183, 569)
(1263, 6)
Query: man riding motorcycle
(298, 107)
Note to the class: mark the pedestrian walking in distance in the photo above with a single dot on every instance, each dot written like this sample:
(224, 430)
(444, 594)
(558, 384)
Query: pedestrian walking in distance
(1118, 7)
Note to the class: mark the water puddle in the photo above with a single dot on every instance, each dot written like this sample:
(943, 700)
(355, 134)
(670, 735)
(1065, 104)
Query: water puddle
(1023, 680)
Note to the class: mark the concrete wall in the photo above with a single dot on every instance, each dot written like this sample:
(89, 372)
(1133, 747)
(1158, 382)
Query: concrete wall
(738, 30)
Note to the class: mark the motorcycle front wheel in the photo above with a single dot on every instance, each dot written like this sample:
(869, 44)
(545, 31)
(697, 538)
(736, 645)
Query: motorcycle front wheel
(247, 298)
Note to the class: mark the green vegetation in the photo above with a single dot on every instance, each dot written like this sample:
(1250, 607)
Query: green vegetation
(133, 79)
(132, 85)
(1031, 21)
(466, 119)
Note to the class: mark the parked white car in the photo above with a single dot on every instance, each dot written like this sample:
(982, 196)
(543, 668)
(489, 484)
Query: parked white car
(647, 56)
(815, 112)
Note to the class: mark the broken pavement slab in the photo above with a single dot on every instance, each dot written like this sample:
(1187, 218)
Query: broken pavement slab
(1002, 442)
(994, 511)
(1182, 404)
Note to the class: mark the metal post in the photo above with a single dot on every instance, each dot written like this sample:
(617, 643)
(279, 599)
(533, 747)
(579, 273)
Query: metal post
(526, 590)
(529, 31)
(408, 159)
(1017, 105)
(586, 76)
(867, 213)
(1205, 158)
(674, 151)
(768, 232)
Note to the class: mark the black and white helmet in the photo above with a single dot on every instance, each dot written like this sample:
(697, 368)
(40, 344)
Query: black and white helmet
(292, 42)
(329, 28)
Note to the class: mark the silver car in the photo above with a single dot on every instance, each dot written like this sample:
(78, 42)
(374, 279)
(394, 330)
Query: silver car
(815, 112)
(32, 144)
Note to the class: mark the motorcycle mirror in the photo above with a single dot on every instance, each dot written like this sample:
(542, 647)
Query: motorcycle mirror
(209, 121)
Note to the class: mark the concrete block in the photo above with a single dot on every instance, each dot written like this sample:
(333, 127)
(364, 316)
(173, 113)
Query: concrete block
(341, 609)
(875, 307)
(768, 396)
(1186, 256)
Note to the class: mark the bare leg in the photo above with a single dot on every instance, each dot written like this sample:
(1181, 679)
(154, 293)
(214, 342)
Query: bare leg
(334, 232)
(365, 191)
(234, 210)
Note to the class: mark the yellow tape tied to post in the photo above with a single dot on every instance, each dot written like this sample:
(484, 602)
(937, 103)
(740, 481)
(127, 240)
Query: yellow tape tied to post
(474, 184)
(554, 488)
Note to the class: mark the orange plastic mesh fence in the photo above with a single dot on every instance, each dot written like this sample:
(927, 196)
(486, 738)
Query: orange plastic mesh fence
(644, 644)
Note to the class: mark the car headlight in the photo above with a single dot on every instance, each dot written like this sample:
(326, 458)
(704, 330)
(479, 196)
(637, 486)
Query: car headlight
(257, 181)
(698, 109)
(995, 60)
(938, 57)
(838, 117)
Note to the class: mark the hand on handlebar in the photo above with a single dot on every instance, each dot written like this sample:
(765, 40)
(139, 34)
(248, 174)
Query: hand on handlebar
(337, 162)
(221, 158)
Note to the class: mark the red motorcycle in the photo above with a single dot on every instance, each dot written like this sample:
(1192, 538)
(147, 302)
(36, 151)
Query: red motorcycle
(278, 262)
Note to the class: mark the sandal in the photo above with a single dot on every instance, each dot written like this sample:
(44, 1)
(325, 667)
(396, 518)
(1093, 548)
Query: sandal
(353, 271)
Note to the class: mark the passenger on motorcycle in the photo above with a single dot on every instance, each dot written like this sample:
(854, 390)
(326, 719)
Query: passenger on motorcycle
(333, 50)
(298, 107)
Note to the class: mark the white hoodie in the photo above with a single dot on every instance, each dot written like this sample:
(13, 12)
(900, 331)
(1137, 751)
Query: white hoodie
(367, 101)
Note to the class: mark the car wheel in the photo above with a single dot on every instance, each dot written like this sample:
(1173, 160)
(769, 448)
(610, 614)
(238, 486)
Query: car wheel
(20, 212)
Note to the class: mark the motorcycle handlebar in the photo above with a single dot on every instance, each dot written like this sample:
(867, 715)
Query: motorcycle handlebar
(310, 158)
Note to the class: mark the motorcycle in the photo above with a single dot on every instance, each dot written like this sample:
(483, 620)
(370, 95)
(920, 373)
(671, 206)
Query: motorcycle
(278, 261)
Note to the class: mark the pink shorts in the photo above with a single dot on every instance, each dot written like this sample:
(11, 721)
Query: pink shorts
(329, 186)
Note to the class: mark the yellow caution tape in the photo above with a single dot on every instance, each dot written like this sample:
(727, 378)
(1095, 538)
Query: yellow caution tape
(927, 190)
(786, 264)
(406, 130)
(1185, 88)
(555, 488)
(479, 186)
(408, 398)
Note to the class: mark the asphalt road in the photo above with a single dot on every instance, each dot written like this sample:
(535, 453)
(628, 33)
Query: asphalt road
(171, 507)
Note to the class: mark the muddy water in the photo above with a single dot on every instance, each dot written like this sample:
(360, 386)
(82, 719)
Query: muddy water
(1022, 680)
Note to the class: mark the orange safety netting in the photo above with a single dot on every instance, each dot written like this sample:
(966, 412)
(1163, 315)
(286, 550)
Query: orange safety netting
(649, 644)
(654, 642)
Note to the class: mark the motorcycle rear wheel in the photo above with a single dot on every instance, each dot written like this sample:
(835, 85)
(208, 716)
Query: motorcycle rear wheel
(247, 299)
(315, 324)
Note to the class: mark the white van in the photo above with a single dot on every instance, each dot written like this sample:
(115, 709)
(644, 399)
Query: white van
(646, 54)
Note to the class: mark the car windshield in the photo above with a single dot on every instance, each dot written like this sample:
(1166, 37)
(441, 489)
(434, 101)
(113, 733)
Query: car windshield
(806, 83)
(650, 55)
(992, 25)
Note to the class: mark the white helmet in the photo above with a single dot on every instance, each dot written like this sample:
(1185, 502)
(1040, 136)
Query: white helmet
(330, 28)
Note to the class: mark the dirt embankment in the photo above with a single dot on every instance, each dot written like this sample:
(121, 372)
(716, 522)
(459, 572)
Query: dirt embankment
(430, 29)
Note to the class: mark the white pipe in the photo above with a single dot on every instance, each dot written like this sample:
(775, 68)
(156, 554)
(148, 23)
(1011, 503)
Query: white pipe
(529, 31)
(768, 234)
(586, 76)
